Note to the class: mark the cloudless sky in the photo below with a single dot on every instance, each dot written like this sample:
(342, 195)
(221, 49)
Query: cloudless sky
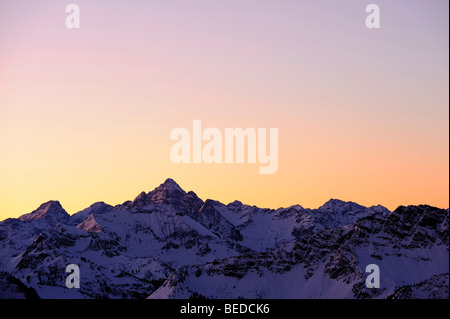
(86, 114)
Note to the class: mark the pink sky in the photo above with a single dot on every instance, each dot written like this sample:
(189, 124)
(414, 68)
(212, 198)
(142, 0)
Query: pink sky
(85, 115)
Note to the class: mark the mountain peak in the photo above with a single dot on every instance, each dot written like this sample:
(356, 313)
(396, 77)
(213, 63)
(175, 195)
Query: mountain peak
(172, 185)
(90, 225)
(97, 208)
(169, 186)
(51, 211)
(235, 204)
(380, 209)
(335, 205)
(167, 192)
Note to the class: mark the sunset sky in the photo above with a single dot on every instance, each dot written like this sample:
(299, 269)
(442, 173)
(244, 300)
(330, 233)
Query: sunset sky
(86, 114)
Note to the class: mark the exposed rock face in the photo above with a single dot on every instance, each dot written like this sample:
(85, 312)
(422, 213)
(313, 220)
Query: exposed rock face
(169, 243)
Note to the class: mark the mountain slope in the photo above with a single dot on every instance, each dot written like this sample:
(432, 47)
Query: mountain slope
(329, 263)
(168, 243)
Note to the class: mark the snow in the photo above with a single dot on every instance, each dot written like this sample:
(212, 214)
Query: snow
(224, 251)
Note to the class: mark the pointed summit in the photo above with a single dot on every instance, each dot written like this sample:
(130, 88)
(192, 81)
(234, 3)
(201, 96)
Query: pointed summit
(340, 206)
(336, 213)
(140, 200)
(90, 225)
(170, 184)
(168, 192)
(95, 209)
(50, 211)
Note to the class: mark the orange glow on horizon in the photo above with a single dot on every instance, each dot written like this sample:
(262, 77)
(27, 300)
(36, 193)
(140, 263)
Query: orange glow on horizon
(85, 115)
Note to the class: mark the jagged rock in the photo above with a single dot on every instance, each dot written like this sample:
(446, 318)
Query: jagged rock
(169, 243)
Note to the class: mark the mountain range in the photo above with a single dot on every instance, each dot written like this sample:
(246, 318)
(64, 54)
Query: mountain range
(169, 243)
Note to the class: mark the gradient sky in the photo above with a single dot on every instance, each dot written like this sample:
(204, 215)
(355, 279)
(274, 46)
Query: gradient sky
(85, 114)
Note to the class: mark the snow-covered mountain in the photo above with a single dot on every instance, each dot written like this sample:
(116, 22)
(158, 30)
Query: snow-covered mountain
(169, 243)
